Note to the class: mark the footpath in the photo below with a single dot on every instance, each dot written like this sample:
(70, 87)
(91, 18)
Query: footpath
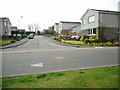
(22, 41)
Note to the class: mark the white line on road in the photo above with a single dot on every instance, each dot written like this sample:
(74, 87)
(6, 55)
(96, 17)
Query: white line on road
(59, 57)
(98, 47)
(56, 45)
(37, 65)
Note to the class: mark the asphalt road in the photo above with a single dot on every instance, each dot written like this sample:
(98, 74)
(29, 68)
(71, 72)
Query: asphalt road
(40, 55)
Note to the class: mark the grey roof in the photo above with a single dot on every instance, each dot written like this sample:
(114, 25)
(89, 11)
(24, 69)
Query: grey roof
(56, 23)
(76, 26)
(106, 11)
(5, 18)
(102, 11)
(69, 22)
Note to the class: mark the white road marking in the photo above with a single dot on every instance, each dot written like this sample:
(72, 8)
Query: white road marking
(37, 65)
(98, 47)
(59, 57)
(56, 45)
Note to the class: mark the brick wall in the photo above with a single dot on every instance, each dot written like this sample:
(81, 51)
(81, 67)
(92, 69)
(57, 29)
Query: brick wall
(65, 32)
(73, 34)
(108, 33)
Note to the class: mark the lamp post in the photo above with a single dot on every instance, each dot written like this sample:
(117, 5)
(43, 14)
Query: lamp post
(19, 26)
(20, 21)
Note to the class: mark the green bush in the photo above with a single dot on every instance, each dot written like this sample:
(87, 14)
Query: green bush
(83, 38)
(87, 41)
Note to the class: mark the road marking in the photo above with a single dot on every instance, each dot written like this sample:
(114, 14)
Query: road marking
(56, 45)
(37, 65)
(98, 47)
(59, 57)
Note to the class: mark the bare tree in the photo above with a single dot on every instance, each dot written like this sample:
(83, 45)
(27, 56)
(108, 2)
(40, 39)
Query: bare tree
(37, 27)
(30, 27)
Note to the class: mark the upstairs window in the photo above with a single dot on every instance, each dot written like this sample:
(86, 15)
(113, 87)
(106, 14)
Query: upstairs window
(91, 19)
(5, 23)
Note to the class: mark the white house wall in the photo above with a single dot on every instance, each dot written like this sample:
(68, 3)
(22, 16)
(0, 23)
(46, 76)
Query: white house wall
(90, 25)
(77, 29)
(56, 27)
(66, 26)
(1, 28)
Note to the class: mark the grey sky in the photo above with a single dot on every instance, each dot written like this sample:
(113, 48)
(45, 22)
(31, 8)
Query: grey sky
(48, 12)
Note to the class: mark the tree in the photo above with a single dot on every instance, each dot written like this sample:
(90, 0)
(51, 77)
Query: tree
(30, 27)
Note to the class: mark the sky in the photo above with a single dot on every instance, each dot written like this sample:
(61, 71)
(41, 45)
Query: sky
(46, 13)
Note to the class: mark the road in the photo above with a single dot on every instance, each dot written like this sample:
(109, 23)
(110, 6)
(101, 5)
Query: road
(40, 55)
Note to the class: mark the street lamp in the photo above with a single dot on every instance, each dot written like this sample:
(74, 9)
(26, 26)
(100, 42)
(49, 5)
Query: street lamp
(19, 26)
(19, 21)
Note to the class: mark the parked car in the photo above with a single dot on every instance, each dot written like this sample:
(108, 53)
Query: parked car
(65, 37)
(77, 37)
(30, 36)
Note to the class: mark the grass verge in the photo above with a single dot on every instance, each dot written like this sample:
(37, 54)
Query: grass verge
(91, 78)
(4, 42)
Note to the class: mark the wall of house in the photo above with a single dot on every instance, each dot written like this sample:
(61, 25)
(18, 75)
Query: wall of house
(109, 20)
(119, 20)
(1, 28)
(56, 27)
(90, 25)
(7, 28)
(65, 32)
(77, 29)
(66, 26)
(109, 33)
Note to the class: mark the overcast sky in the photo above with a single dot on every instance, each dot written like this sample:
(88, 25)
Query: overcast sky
(47, 12)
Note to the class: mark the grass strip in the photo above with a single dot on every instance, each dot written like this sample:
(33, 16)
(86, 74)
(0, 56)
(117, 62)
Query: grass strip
(106, 77)
(5, 42)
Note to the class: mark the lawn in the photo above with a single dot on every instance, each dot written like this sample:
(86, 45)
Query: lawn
(4, 42)
(106, 77)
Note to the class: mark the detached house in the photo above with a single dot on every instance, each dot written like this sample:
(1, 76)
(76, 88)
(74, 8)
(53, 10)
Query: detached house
(102, 24)
(5, 28)
(65, 27)
(76, 30)
(56, 27)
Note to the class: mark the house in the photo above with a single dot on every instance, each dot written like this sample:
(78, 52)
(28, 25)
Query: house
(76, 30)
(5, 28)
(65, 27)
(119, 20)
(56, 27)
(102, 24)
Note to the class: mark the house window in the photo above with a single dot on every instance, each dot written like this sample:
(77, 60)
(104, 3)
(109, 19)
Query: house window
(5, 23)
(91, 19)
(83, 21)
(5, 32)
(118, 31)
(92, 31)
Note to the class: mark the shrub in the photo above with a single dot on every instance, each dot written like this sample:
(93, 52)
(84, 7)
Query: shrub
(83, 38)
(93, 37)
(87, 41)
(113, 40)
(12, 41)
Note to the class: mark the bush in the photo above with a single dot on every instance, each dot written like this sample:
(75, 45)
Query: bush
(83, 38)
(12, 41)
(87, 41)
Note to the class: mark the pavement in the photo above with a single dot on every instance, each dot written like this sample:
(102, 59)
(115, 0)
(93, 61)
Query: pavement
(18, 43)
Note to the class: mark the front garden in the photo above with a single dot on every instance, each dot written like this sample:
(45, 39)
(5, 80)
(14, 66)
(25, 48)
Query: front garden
(10, 39)
(84, 40)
